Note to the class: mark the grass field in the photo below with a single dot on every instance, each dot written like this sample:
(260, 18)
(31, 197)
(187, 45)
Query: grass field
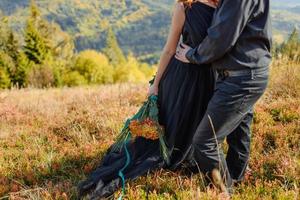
(50, 139)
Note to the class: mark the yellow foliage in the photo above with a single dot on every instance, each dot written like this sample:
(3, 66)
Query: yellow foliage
(94, 66)
(97, 57)
(149, 71)
(129, 72)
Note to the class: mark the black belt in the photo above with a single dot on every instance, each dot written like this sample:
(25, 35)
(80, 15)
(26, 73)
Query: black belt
(226, 73)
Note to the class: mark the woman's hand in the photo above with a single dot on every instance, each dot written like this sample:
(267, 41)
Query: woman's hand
(153, 90)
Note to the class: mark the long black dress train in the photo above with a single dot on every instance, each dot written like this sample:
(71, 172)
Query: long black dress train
(184, 92)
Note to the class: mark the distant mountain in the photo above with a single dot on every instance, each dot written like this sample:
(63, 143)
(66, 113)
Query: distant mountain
(141, 25)
(295, 9)
(285, 3)
(285, 17)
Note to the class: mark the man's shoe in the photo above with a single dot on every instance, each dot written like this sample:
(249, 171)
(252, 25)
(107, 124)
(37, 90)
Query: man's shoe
(218, 181)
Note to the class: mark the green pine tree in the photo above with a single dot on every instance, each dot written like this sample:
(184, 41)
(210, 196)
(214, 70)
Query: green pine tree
(36, 45)
(291, 48)
(48, 48)
(3, 33)
(15, 61)
(6, 63)
(19, 74)
(12, 46)
(23, 67)
(113, 50)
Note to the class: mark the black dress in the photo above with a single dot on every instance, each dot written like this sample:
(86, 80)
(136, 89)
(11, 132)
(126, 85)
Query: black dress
(184, 93)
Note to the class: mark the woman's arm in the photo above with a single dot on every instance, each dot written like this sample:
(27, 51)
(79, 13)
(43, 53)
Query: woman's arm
(169, 50)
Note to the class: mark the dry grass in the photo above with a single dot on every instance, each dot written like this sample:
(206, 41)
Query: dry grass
(51, 139)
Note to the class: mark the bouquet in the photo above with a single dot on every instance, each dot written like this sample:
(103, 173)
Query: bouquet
(144, 124)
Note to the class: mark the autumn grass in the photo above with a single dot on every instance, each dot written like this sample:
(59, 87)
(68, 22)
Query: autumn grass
(50, 139)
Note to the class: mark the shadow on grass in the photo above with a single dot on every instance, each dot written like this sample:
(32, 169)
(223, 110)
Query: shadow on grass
(58, 181)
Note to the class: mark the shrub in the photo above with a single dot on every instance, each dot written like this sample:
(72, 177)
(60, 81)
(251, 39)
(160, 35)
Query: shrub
(94, 67)
(41, 76)
(74, 78)
(129, 72)
(147, 70)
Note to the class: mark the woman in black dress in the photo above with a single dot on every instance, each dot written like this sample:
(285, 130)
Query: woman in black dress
(183, 90)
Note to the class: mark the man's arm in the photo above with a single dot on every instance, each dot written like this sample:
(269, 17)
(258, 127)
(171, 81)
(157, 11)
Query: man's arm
(227, 25)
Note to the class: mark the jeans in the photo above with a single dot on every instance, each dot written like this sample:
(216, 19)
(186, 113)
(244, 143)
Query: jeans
(229, 116)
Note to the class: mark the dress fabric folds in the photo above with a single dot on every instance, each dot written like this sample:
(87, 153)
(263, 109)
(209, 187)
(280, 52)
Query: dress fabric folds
(184, 92)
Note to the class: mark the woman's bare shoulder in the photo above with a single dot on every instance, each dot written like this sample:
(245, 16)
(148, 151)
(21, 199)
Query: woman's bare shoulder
(179, 7)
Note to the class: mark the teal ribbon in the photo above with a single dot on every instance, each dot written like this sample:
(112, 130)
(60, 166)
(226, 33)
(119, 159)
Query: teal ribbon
(120, 173)
(154, 97)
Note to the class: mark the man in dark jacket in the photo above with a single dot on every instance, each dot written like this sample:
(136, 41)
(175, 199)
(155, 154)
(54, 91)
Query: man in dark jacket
(238, 46)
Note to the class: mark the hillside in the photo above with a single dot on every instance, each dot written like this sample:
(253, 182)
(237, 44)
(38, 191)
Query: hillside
(134, 21)
(141, 25)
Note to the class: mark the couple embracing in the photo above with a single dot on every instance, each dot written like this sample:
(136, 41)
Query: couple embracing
(213, 69)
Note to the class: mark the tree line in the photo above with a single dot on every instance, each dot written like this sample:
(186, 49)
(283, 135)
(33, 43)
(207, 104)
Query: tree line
(45, 56)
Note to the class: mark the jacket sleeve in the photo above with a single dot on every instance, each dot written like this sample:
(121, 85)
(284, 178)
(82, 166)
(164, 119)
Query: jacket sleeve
(228, 23)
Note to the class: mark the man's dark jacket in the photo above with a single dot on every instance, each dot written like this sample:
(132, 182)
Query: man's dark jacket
(239, 37)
